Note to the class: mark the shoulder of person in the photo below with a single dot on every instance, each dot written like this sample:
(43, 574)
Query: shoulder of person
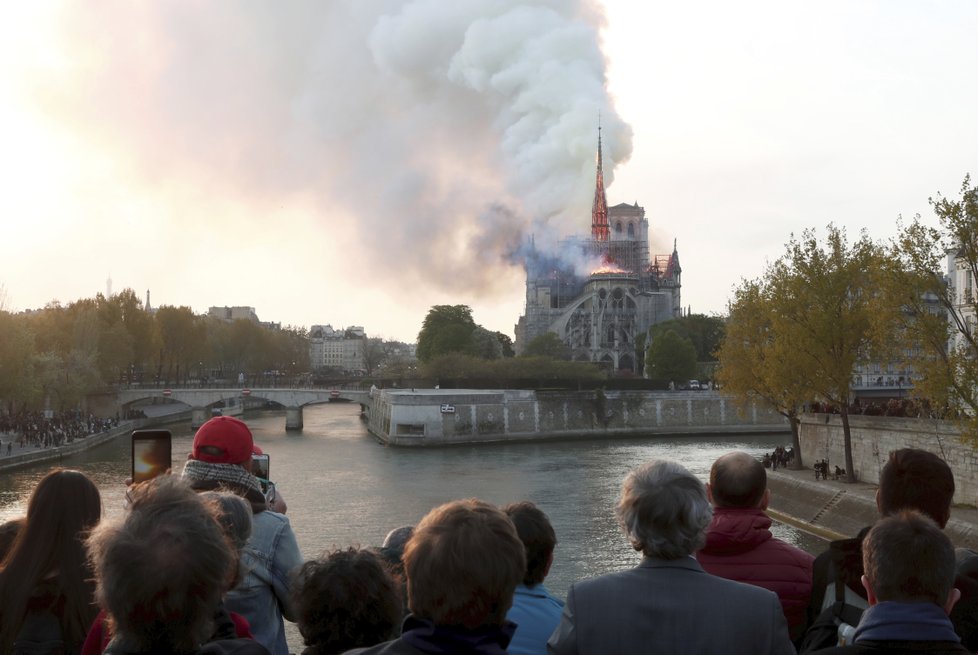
(233, 647)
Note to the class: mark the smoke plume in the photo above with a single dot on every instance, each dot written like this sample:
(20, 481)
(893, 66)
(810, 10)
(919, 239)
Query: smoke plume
(426, 139)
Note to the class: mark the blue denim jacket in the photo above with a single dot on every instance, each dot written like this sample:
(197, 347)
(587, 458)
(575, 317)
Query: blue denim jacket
(262, 597)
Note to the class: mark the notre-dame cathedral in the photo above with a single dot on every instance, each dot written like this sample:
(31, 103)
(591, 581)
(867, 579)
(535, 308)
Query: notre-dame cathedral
(599, 313)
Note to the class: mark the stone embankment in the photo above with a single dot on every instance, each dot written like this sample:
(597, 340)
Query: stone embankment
(834, 509)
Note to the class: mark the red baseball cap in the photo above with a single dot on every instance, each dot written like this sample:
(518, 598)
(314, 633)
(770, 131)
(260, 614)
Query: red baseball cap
(223, 440)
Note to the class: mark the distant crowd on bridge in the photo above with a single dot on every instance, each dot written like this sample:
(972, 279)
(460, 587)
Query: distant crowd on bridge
(35, 429)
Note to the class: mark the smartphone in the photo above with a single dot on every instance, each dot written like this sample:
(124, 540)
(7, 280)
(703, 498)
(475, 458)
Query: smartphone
(259, 469)
(150, 454)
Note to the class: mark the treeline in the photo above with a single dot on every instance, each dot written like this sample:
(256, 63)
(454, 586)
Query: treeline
(60, 353)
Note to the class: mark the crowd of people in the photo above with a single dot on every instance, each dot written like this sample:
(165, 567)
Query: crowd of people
(201, 562)
(38, 430)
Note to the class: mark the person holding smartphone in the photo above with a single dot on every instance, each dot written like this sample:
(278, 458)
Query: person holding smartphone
(221, 458)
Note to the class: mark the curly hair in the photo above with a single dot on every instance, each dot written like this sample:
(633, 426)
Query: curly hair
(343, 600)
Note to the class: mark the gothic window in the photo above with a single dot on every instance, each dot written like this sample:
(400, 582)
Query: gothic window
(611, 334)
(631, 230)
(618, 228)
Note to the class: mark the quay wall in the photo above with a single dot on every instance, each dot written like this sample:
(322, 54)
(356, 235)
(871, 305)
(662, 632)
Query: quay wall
(433, 417)
(874, 437)
(837, 510)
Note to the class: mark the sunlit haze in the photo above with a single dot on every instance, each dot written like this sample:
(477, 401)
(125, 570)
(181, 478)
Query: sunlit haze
(354, 163)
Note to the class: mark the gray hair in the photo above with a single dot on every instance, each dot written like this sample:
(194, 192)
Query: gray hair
(234, 515)
(664, 510)
(162, 568)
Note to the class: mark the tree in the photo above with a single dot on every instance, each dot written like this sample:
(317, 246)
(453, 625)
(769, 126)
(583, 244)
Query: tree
(670, 357)
(549, 345)
(506, 343)
(757, 360)
(446, 329)
(704, 332)
(17, 378)
(828, 307)
(940, 338)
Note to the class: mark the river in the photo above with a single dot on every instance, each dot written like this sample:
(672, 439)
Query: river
(343, 487)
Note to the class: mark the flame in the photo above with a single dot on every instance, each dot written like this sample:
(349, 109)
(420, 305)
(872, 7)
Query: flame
(608, 267)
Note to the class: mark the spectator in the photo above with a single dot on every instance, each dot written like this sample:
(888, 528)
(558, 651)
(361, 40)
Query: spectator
(345, 599)
(911, 479)
(535, 612)
(392, 552)
(739, 545)
(162, 569)
(234, 516)
(8, 533)
(221, 459)
(668, 604)
(46, 592)
(909, 581)
(462, 565)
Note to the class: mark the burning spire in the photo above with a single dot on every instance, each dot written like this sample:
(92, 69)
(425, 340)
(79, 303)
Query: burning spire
(600, 231)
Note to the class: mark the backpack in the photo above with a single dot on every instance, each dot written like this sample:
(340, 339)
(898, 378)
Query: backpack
(836, 623)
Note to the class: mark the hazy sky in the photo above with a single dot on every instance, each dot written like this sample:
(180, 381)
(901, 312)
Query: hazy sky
(356, 162)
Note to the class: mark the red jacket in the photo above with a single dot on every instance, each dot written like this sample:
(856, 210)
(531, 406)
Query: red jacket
(739, 546)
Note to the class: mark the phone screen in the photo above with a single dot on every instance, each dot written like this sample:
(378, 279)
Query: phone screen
(259, 466)
(150, 454)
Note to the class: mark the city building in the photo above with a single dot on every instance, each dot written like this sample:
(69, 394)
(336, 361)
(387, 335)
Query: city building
(600, 293)
(342, 349)
(231, 314)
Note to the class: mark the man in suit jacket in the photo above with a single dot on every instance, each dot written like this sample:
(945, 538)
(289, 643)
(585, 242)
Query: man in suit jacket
(668, 603)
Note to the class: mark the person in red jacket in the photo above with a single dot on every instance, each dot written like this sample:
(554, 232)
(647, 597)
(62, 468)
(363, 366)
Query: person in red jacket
(739, 545)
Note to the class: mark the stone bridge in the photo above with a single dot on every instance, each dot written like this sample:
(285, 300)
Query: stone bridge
(200, 401)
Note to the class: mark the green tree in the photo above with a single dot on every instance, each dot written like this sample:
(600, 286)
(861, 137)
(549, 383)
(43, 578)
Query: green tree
(757, 360)
(940, 336)
(18, 383)
(446, 329)
(506, 343)
(670, 357)
(829, 307)
(183, 340)
(704, 332)
(549, 345)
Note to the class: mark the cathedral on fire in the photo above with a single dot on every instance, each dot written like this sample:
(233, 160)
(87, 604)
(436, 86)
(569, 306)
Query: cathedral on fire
(601, 312)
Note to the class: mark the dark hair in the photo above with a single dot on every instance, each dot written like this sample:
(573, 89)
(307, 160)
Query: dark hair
(538, 537)
(463, 564)
(64, 506)
(907, 558)
(8, 533)
(737, 480)
(917, 479)
(343, 600)
(162, 568)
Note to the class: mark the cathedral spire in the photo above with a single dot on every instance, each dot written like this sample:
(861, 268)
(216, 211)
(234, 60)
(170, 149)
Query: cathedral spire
(600, 231)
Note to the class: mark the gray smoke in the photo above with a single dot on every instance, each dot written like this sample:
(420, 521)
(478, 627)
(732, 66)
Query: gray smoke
(428, 139)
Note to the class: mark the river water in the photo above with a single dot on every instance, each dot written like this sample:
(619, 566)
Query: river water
(343, 487)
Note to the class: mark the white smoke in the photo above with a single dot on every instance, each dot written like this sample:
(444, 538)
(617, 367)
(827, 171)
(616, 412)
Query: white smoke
(429, 139)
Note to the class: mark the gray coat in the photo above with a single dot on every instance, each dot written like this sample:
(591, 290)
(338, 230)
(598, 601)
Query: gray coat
(669, 606)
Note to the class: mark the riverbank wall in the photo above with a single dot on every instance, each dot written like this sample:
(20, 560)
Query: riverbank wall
(875, 437)
(835, 509)
(438, 417)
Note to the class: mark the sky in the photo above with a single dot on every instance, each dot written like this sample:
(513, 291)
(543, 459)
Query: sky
(356, 162)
